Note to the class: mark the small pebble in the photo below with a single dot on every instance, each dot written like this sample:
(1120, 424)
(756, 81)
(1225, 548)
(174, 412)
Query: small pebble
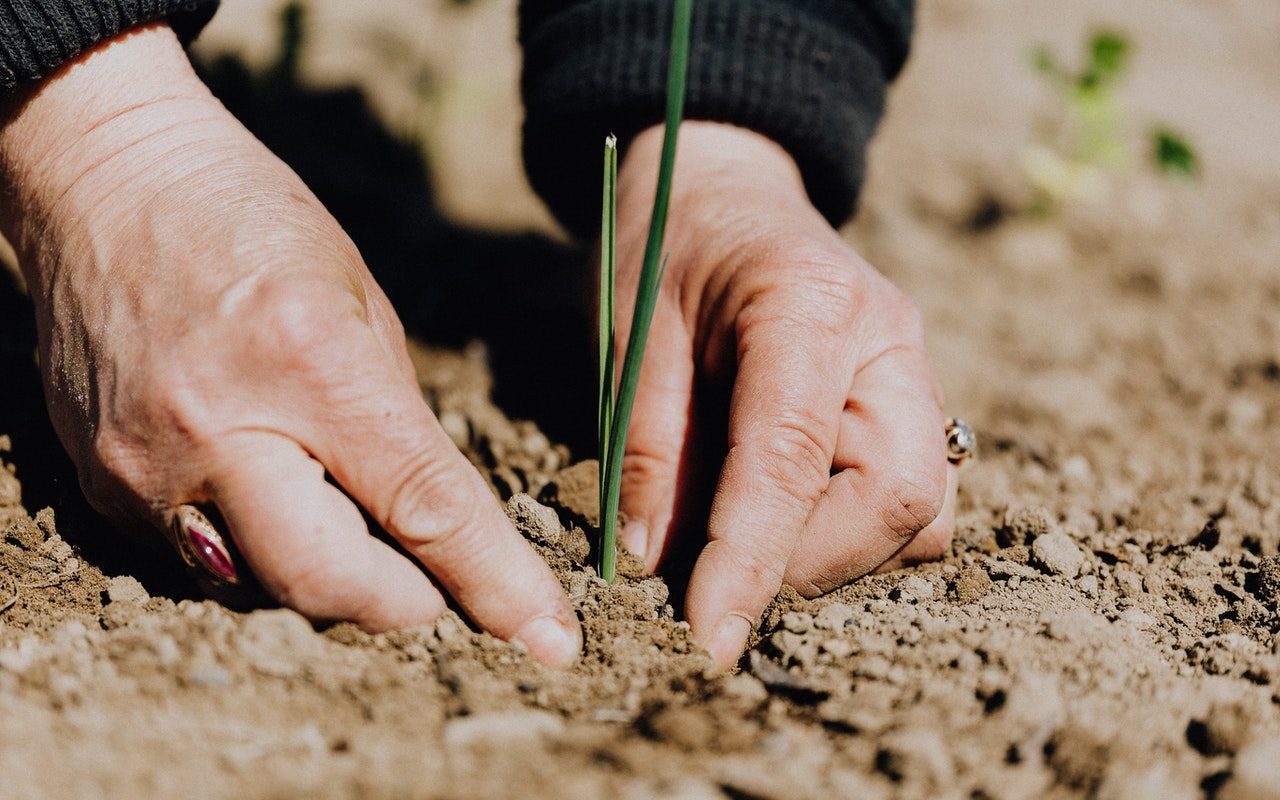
(535, 443)
(450, 629)
(1021, 525)
(834, 617)
(1226, 728)
(916, 590)
(1269, 579)
(126, 589)
(745, 687)
(1243, 415)
(1138, 619)
(838, 648)
(10, 489)
(279, 643)
(1129, 583)
(536, 521)
(1076, 471)
(57, 549)
(167, 652)
(797, 621)
(970, 584)
(1058, 554)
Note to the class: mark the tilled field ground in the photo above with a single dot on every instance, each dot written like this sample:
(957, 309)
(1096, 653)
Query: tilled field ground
(1105, 625)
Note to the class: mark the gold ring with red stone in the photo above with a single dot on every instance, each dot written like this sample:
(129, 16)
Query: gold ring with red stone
(203, 547)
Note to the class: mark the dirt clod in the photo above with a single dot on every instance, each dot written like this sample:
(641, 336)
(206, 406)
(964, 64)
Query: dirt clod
(1058, 554)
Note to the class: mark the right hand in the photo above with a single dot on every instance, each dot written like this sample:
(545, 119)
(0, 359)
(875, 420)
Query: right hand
(208, 334)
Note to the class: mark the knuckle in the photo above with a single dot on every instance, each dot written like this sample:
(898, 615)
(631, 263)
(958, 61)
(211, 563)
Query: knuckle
(760, 566)
(641, 467)
(910, 503)
(797, 455)
(823, 296)
(421, 509)
(298, 330)
(814, 286)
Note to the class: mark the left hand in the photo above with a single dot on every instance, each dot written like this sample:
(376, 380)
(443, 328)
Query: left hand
(797, 361)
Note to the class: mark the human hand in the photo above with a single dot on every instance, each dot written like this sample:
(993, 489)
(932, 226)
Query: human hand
(208, 334)
(776, 346)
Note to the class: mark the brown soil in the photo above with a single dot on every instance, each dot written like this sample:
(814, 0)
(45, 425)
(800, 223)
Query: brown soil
(1105, 625)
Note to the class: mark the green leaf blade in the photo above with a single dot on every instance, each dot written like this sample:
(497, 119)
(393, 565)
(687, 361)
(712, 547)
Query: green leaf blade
(607, 335)
(650, 279)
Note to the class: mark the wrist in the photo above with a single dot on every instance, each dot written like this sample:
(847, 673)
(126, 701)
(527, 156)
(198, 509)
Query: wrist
(62, 145)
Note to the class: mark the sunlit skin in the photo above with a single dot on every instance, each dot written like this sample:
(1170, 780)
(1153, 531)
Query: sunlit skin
(209, 334)
(814, 364)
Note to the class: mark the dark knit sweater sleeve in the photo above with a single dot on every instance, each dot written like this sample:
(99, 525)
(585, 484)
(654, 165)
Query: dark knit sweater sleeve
(809, 74)
(38, 36)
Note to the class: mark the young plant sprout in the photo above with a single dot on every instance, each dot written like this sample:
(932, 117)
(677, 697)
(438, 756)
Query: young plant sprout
(1087, 145)
(615, 407)
(608, 338)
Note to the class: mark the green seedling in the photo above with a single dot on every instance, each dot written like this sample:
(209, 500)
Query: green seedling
(607, 338)
(1087, 145)
(615, 407)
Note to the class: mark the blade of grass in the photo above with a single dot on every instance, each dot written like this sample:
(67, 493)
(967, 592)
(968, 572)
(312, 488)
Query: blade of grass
(647, 293)
(607, 335)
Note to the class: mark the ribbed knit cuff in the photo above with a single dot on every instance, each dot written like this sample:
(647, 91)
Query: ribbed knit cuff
(809, 74)
(38, 36)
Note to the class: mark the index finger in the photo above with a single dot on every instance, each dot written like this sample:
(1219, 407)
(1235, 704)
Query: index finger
(383, 444)
(784, 421)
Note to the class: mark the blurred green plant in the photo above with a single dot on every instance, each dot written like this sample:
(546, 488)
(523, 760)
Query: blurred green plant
(1087, 145)
(1173, 154)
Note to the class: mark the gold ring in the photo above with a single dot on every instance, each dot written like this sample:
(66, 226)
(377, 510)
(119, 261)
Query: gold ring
(962, 442)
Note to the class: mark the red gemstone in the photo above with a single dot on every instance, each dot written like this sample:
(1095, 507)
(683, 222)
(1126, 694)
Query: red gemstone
(213, 555)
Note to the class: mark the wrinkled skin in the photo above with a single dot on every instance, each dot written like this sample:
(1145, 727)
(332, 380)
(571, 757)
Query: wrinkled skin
(209, 334)
(835, 458)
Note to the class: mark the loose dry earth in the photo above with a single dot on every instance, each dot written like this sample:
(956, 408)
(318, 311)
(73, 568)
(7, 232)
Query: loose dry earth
(1105, 625)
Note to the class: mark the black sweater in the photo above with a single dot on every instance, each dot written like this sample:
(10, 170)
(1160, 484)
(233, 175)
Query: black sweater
(810, 74)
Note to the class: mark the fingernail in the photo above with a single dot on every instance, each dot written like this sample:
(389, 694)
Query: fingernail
(635, 537)
(551, 640)
(730, 639)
